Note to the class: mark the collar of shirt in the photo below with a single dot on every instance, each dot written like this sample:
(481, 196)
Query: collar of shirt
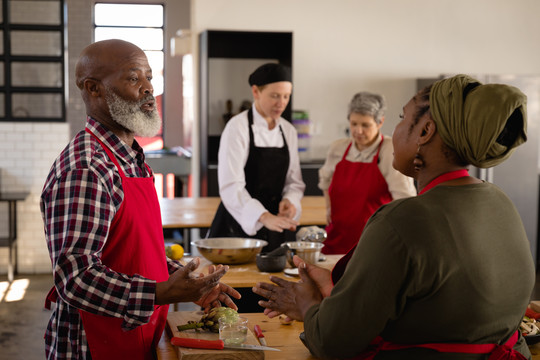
(259, 120)
(367, 153)
(124, 153)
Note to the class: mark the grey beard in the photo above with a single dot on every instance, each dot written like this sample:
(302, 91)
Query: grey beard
(129, 115)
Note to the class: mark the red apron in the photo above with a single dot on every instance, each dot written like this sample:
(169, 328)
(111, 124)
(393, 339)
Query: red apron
(357, 190)
(496, 351)
(135, 245)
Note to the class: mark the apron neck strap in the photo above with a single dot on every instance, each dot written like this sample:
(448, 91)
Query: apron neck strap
(456, 174)
(109, 153)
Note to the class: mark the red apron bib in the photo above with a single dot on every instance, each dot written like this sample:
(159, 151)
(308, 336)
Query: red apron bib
(135, 245)
(357, 190)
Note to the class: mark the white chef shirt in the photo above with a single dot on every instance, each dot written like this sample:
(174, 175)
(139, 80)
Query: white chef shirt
(232, 157)
(399, 185)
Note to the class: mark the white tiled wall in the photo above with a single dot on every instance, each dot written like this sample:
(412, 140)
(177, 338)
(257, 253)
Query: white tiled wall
(28, 151)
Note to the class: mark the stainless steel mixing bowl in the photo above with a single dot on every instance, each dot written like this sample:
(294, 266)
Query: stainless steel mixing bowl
(229, 250)
(308, 251)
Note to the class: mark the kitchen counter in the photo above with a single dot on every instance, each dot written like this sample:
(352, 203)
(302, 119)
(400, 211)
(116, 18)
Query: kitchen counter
(535, 351)
(247, 275)
(186, 212)
(284, 337)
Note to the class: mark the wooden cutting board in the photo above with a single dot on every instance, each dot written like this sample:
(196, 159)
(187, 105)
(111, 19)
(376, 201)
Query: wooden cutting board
(181, 317)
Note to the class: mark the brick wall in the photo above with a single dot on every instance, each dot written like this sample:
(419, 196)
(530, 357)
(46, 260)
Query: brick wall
(28, 150)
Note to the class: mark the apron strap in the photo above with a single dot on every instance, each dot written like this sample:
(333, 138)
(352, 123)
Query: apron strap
(109, 153)
(52, 296)
(347, 151)
(497, 352)
(252, 137)
(375, 158)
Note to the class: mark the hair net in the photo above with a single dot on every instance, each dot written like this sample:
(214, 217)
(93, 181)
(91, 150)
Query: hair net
(270, 73)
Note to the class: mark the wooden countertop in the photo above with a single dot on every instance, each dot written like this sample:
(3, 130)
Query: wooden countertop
(535, 351)
(284, 337)
(13, 196)
(247, 275)
(185, 212)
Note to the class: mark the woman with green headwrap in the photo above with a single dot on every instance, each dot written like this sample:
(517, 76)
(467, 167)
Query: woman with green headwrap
(444, 275)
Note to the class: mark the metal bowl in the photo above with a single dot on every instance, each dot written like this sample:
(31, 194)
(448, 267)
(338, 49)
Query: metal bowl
(308, 251)
(270, 263)
(229, 250)
(532, 339)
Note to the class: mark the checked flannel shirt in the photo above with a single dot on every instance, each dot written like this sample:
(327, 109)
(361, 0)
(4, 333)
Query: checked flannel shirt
(79, 200)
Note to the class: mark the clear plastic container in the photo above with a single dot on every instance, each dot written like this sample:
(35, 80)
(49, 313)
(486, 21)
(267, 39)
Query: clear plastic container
(233, 332)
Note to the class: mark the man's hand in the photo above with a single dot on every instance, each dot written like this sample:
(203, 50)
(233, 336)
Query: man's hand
(218, 295)
(186, 286)
(277, 223)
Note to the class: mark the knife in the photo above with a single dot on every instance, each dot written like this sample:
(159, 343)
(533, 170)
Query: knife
(259, 334)
(215, 344)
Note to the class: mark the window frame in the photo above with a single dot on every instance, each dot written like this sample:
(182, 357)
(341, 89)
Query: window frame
(7, 89)
(161, 105)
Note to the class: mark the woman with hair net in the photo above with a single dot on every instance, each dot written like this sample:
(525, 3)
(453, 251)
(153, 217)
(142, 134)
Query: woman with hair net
(260, 182)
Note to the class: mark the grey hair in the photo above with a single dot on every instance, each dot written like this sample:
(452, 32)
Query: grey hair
(367, 103)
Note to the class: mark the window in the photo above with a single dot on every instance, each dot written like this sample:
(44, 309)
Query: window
(142, 25)
(32, 81)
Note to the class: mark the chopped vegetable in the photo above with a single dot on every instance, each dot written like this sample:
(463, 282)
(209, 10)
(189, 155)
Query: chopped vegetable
(210, 320)
(529, 326)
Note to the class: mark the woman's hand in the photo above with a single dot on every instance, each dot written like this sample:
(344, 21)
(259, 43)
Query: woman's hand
(286, 209)
(287, 297)
(277, 223)
(320, 276)
(184, 285)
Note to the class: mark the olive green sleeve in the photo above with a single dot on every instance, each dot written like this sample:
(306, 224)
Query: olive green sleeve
(368, 293)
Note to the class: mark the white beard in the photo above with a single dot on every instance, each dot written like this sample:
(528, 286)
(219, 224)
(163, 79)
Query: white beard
(129, 114)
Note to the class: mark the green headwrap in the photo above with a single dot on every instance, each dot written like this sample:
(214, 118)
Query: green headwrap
(470, 117)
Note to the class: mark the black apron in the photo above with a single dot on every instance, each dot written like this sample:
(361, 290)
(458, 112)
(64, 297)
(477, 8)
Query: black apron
(265, 173)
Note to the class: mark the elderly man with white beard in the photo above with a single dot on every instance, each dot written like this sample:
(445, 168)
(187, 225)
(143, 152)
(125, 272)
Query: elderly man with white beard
(112, 280)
